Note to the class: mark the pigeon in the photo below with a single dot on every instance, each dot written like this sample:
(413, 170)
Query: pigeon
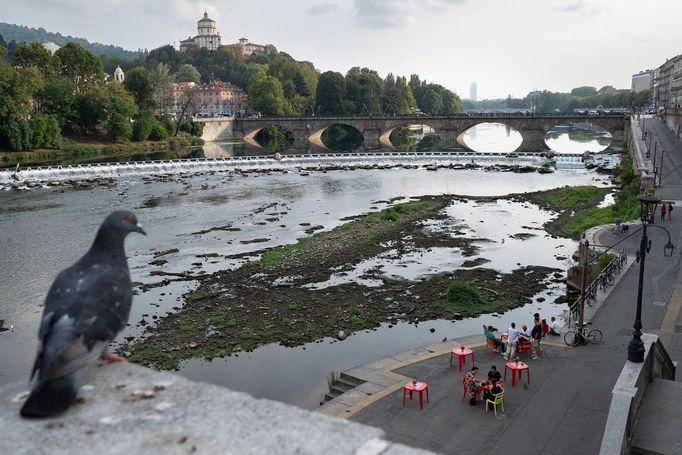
(87, 305)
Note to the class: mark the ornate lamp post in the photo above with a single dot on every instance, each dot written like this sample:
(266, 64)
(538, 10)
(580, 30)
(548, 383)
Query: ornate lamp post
(648, 203)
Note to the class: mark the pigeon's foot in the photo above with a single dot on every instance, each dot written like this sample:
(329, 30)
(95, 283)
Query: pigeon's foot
(108, 357)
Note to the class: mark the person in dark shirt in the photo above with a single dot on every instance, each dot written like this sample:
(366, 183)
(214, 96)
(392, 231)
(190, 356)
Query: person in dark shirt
(493, 374)
(489, 394)
(536, 335)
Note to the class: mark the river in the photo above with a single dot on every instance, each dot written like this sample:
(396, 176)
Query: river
(44, 230)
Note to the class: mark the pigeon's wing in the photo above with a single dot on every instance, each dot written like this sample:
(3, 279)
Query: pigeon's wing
(84, 310)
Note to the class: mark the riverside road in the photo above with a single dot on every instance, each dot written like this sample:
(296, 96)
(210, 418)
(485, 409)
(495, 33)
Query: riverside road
(565, 407)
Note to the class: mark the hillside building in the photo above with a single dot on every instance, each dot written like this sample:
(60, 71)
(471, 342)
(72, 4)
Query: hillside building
(207, 100)
(207, 36)
(252, 48)
(119, 75)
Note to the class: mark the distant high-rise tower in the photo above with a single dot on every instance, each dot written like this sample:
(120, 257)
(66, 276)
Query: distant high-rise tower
(473, 91)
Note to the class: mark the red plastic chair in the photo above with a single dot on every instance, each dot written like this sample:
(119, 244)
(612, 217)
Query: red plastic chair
(489, 343)
(524, 346)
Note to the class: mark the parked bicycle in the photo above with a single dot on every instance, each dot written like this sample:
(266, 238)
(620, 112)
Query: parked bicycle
(582, 335)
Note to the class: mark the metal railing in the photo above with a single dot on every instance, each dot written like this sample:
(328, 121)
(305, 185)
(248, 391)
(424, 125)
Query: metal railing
(605, 278)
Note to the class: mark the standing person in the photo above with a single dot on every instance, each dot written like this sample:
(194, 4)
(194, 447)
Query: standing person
(535, 336)
(512, 338)
(670, 210)
(664, 210)
(554, 327)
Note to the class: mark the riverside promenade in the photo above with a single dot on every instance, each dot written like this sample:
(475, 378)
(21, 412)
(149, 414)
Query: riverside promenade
(564, 409)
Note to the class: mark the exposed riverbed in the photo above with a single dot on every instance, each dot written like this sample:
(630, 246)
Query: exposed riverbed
(210, 217)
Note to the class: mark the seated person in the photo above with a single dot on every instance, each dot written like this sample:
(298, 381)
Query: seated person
(494, 375)
(495, 388)
(545, 327)
(471, 384)
(554, 327)
(524, 335)
(497, 344)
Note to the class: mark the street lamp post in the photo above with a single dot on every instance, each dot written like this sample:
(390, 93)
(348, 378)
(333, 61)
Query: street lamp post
(648, 203)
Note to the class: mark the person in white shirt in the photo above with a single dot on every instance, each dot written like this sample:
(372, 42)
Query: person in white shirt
(512, 338)
(554, 327)
(524, 335)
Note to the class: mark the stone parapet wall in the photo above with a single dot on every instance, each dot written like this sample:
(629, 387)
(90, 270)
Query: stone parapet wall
(127, 409)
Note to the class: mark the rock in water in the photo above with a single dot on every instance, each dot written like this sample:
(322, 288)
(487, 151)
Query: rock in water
(87, 305)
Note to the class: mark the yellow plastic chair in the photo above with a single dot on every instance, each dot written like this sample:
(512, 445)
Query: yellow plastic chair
(499, 399)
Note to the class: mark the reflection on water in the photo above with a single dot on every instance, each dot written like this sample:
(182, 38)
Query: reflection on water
(492, 137)
(578, 138)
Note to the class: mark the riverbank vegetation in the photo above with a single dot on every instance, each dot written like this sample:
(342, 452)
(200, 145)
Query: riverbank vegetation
(294, 294)
(577, 206)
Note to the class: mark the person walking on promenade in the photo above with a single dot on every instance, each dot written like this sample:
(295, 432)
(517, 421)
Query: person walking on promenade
(664, 210)
(670, 210)
(512, 338)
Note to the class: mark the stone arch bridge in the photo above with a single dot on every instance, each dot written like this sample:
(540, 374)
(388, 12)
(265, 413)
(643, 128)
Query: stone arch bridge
(307, 131)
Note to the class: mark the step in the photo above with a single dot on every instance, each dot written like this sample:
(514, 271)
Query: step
(658, 418)
(351, 380)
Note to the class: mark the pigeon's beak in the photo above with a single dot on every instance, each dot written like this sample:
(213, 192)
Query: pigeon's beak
(138, 228)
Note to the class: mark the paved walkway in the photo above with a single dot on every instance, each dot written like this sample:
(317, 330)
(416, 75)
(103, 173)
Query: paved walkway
(564, 408)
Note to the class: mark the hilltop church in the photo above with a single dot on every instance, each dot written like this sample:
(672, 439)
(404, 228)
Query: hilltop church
(207, 37)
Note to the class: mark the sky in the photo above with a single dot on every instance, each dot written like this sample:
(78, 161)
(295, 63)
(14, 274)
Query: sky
(508, 47)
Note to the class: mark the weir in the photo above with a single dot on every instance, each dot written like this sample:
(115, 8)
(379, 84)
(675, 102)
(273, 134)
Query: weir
(10, 177)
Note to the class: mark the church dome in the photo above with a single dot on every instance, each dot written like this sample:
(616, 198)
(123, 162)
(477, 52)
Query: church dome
(206, 19)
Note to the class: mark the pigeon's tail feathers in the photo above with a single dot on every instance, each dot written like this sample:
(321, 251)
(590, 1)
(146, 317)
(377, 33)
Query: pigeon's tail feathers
(50, 398)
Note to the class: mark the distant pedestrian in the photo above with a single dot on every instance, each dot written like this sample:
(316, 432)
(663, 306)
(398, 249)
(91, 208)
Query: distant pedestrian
(670, 210)
(644, 137)
(664, 210)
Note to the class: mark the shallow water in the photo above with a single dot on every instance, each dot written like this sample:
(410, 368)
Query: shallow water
(45, 230)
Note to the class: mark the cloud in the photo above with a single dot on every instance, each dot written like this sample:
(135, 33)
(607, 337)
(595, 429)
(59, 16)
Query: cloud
(395, 13)
(322, 9)
(583, 7)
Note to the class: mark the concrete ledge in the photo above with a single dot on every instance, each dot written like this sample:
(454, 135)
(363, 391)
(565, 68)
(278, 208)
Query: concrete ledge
(127, 409)
(628, 392)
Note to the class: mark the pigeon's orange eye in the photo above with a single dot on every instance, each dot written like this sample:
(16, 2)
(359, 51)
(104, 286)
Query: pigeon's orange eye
(129, 219)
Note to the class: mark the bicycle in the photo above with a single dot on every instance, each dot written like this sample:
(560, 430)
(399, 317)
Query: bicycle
(582, 335)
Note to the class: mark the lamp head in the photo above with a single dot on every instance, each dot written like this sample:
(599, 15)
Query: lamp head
(648, 202)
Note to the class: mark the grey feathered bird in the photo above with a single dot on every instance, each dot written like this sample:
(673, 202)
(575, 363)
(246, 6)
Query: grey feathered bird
(87, 305)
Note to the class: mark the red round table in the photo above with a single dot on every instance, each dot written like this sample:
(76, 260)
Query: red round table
(418, 386)
(516, 367)
(461, 355)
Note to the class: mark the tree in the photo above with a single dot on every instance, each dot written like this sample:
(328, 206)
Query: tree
(265, 95)
(89, 109)
(188, 73)
(78, 64)
(15, 107)
(331, 93)
(584, 91)
(57, 98)
(119, 108)
(35, 55)
(364, 89)
(138, 84)
(161, 82)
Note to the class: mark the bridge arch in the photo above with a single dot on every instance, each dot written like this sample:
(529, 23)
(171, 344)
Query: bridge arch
(486, 137)
(398, 137)
(270, 136)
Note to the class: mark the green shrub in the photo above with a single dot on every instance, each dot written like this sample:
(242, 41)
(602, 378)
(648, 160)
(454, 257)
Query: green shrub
(465, 294)
(158, 132)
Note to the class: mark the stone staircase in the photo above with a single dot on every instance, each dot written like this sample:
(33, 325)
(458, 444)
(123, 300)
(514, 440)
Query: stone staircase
(659, 419)
(342, 385)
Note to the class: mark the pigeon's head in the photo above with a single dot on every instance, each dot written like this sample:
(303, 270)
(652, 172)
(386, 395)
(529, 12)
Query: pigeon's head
(123, 222)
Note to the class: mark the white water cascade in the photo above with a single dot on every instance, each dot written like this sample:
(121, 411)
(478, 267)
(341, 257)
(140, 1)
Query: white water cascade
(36, 176)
